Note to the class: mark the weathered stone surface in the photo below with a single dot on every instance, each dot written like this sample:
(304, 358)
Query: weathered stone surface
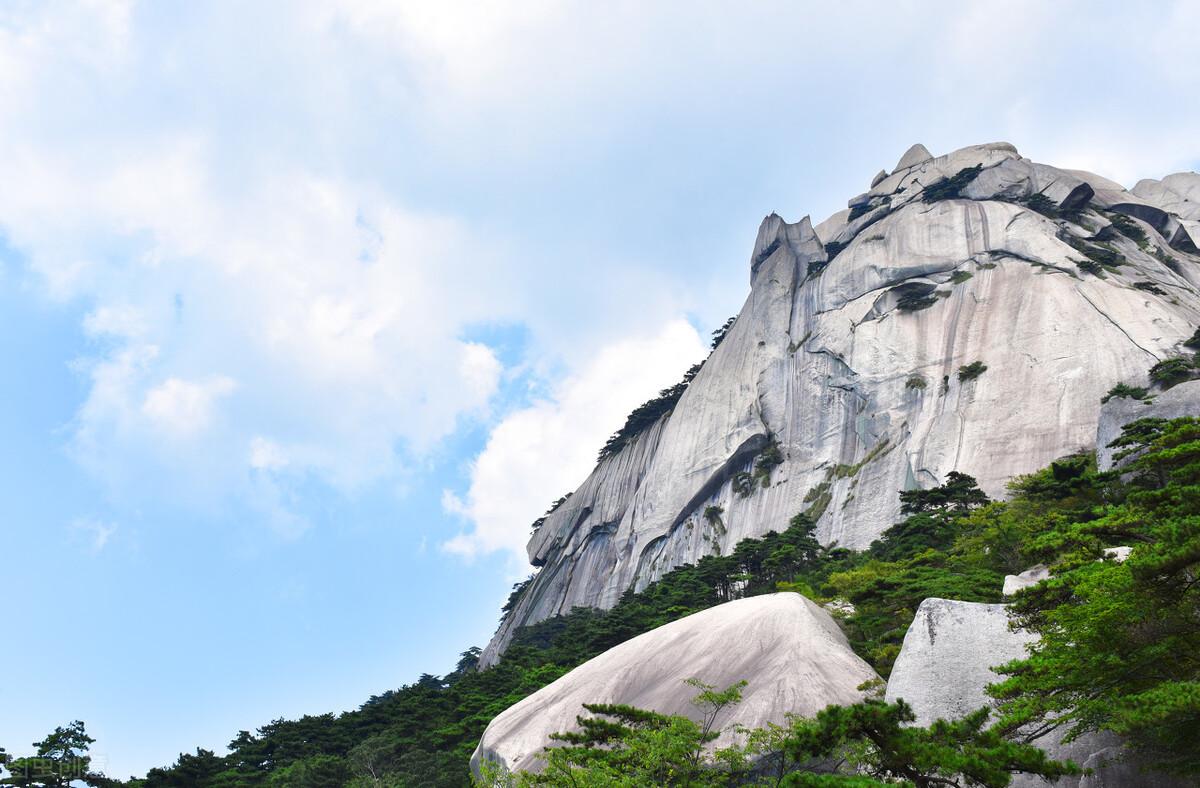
(1030, 577)
(946, 664)
(1179, 196)
(1181, 400)
(788, 648)
(912, 157)
(863, 396)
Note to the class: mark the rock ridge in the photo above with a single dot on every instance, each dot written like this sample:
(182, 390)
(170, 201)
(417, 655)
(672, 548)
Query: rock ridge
(846, 356)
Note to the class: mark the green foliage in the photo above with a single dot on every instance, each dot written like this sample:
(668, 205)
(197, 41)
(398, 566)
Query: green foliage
(849, 471)
(1126, 391)
(1129, 228)
(766, 461)
(1173, 371)
(719, 335)
(816, 267)
(1042, 204)
(539, 522)
(518, 590)
(958, 277)
(971, 371)
(949, 188)
(767, 251)
(958, 495)
(59, 760)
(647, 414)
(1167, 259)
(818, 499)
(914, 298)
(1193, 341)
(712, 514)
(1099, 255)
(915, 382)
(1118, 641)
(833, 249)
(866, 744)
(1150, 287)
(910, 562)
(742, 484)
(857, 211)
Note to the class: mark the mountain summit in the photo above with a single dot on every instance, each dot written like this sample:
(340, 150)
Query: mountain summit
(967, 313)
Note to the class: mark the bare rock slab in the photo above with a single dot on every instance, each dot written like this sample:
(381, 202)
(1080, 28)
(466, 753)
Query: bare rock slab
(791, 652)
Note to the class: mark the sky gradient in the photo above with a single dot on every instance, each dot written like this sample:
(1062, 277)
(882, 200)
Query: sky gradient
(307, 310)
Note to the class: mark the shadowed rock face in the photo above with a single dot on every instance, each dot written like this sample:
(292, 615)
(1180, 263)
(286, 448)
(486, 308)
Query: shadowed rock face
(851, 365)
(788, 648)
(946, 663)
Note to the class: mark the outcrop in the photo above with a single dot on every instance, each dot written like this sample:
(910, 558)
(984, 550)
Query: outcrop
(796, 658)
(943, 670)
(1181, 400)
(967, 312)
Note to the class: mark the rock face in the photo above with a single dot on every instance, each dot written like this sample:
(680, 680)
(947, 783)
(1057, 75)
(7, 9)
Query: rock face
(945, 665)
(1181, 400)
(947, 656)
(791, 651)
(1030, 577)
(846, 356)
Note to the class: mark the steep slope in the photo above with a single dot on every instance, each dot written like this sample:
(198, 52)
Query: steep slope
(846, 361)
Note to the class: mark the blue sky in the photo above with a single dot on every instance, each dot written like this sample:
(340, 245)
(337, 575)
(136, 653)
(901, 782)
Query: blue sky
(308, 309)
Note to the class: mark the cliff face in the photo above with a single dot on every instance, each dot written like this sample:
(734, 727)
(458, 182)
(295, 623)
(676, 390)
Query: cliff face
(846, 357)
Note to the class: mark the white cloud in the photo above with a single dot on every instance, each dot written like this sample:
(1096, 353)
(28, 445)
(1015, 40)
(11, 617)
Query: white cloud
(546, 449)
(183, 408)
(95, 534)
(301, 197)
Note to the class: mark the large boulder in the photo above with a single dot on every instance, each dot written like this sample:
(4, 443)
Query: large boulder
(946, 661)
(791, 652)
(943, 671)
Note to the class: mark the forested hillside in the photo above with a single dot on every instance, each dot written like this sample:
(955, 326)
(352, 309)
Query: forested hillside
(1118, 650)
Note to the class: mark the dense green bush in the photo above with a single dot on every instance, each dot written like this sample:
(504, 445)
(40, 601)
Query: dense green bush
(1042, 204)
(971, 371)
(1126, 391)
(1173, 371)
(1150, 287)
(1129, 228)
(766, 461)
(949, 188)
(1099, 255)
(539, 522)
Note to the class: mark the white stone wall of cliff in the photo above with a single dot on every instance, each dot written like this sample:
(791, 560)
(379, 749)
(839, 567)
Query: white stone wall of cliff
(823, 364)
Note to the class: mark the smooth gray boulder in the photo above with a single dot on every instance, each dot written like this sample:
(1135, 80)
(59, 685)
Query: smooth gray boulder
(946, 661)
(791, 652)
(1030, 577)
(913, 156)
(861, 392)
(1176, 402)
(945, 666)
